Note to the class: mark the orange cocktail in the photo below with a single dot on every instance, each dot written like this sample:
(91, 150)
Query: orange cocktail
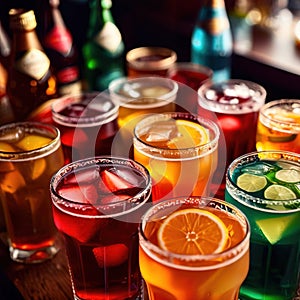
(180, 152)
(279, 126)
(194, 248)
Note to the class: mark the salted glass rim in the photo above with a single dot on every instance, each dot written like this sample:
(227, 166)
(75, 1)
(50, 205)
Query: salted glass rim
(230, 255)
(144, 194)
(248, 200)
(82, 121)
(185, 153)
(253, 104)
(30, 126)
(125, 101)
(294, 127)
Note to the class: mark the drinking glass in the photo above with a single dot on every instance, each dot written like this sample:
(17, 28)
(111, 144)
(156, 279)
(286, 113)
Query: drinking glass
(30, 153)
(265, 186)
(236, 104)
(138, 97)
(88, 124)
(149, 61)
(189, 76)
(97, 205)
(279, 126)
(179, 150)
(177, 256)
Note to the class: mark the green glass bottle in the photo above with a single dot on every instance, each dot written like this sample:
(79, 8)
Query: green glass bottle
(211, 43)
(103, 52)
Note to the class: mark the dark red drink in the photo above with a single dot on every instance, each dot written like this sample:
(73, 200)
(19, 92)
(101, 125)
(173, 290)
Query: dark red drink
(97, 207)
(88, 124)
(235, 103)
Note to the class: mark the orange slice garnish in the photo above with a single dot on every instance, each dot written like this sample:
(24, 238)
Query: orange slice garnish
(193, 231)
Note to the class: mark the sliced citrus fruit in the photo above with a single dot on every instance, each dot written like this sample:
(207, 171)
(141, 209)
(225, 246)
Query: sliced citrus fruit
(288, 175)
(6, 147)
(190, 134)
(32, 142)
(251, 183)
(279, 192)
(193, 231)
(38, 168)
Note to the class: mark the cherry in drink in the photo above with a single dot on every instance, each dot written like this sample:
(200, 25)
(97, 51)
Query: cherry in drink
(235, 103)
(97, 207)
(88, 124)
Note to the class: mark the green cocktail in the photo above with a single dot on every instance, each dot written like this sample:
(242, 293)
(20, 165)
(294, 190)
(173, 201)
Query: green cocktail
(266, 187)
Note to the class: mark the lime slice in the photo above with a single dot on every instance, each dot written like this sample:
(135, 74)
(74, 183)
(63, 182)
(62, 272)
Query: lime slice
(279, 192)
(251, 183)
(288, 175)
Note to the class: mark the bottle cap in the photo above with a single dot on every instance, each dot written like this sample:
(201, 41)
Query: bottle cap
(22, 19)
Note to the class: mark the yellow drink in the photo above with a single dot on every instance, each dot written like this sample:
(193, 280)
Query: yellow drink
(194, 248)
(279, 126)
(180, 152)
(137, 98)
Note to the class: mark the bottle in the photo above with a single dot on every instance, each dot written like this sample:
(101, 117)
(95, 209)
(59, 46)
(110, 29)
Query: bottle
(58, 44)
(30, 80)
(103, 52)
(5, 47)
(211, 42)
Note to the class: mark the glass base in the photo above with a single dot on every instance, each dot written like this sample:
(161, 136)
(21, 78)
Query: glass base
(33, 256)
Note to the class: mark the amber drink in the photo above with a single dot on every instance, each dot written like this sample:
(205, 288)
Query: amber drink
(179, 150)
(137, 98)
(30, 153)
(194, 248)
(279, 126)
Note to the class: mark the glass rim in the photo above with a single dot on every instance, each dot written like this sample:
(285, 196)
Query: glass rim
(246, 196)
(92, 161)
(37, 152)
(294, 127)
(190, 66)
(83, 121)
(254, 104)
(188, 152)
(125, 101)
(240, 248)
(133, 54)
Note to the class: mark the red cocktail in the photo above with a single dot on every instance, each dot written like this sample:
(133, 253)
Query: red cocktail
(88, 124)
(235, 103)
(97, 206)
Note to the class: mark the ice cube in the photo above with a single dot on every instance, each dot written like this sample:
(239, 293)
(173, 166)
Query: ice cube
(260, 168)
(83, 177)
(211, 95)
(134, 178)
(100, 106)
(162, 131)
(85, 194)
(113, 181)
(130, 90)
(13, 135)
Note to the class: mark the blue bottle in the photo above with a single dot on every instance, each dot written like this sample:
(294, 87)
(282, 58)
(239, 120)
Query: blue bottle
(212, 42)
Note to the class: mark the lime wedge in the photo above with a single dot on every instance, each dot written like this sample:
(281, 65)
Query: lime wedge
(279, 192)
(288, 175)
(251, 183)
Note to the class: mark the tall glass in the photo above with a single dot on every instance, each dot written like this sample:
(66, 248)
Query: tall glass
(265, 186)
(179, 150)
(30, 153)
(279, 126)
(183, 269)
(88, 124)
(97, 205)
(236, 104)
(137, 98)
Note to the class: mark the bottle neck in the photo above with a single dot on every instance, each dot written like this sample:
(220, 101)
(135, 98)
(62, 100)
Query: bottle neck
(100, 14)
(25, 40)
(215, 4)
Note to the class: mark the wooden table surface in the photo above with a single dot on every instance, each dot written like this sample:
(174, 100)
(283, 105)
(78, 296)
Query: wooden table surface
(47, 280)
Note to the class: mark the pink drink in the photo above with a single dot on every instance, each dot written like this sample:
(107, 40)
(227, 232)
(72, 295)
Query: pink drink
(235, 103)
(88, 124)
(97, 207)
